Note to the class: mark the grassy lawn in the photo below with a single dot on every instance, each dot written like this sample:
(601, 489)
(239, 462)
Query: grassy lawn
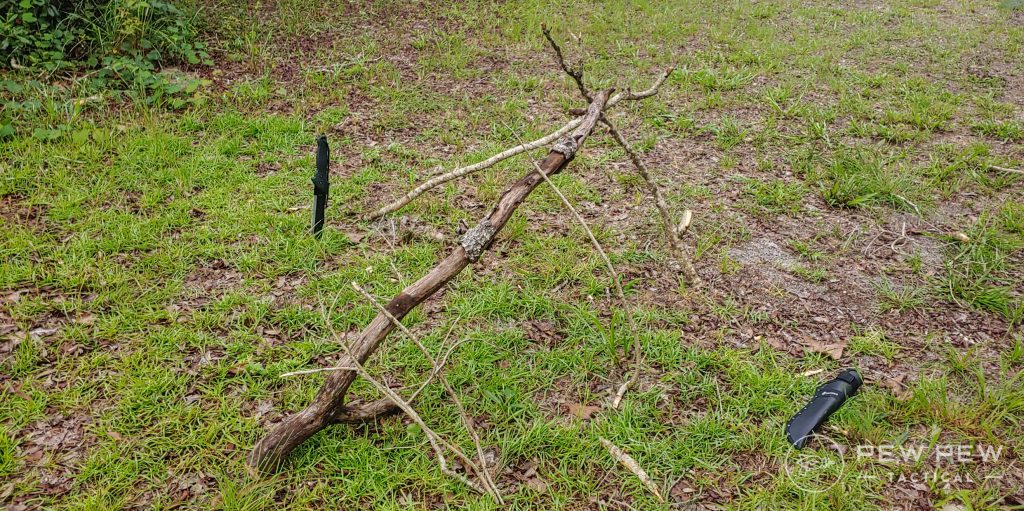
(157, 277)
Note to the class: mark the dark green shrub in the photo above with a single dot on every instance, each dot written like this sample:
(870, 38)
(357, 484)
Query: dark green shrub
(106, 48)
(72, 35)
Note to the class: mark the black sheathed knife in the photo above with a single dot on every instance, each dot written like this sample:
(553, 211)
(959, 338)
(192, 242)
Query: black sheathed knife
(321, 184)
(827, 399)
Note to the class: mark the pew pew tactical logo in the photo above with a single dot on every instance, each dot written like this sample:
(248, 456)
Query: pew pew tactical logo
(821, 465)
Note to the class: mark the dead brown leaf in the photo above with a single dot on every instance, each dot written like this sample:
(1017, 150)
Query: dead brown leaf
(832, 349)
(543, 332)
(584, 412)
(898, 388)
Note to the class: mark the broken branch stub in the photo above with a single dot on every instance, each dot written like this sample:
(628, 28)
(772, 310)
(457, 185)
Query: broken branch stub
(329, 404)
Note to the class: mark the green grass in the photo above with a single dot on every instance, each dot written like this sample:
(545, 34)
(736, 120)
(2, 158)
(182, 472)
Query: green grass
(899, 297)
(874, 342)
(165, 279)
(860, 178)
(978, 269)
(776, 196)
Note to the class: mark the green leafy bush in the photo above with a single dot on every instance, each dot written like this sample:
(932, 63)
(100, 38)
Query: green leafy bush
(104, 47)
(59, 35)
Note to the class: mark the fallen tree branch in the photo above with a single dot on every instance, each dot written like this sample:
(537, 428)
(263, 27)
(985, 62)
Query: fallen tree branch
(438, 180)
(269, 452)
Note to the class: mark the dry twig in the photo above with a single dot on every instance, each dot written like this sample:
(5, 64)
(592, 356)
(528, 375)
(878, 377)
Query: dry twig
(466, 421)
(435, 440)
(514, 151)
(678, 251)
(576, 74)
(469, 169)
(637, 347)
(631, 464)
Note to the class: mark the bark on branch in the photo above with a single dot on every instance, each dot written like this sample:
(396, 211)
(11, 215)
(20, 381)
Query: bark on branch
(328, 405)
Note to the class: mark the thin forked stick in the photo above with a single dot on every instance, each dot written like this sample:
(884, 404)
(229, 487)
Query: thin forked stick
(576, 74)
(514, 151)
(436, 442)
(486, 476)
(637, 348)
(671, 233)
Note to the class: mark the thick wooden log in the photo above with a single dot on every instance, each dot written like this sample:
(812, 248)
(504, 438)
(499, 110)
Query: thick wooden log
(329, 404)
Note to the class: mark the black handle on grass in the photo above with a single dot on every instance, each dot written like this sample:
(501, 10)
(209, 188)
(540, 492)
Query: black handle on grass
(827, 399)
(321, 184)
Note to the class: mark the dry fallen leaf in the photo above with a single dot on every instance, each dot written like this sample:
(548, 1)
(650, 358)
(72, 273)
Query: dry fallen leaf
(537, 484)
(897, 387)
(684, 223)
(832, 349)
(585, 412)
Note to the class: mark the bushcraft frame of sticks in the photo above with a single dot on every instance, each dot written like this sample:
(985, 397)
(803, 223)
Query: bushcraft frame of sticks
(329, 405)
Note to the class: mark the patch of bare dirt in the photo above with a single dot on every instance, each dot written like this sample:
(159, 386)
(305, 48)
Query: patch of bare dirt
(15, 210)
(205, 284)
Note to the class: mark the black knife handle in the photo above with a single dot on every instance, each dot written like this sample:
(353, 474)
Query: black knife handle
(827, 399)
(321, 180)
(321, 184)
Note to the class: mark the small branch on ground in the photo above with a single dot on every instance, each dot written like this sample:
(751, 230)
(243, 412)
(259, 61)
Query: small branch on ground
(576, 74)
(633, 466)
(675, 245)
